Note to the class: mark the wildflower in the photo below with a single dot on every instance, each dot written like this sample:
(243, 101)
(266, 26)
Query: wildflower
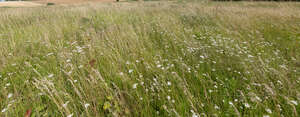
(169, 83)
(86, 105)
(168, 97)
(4, 110)
(130, 71)
(266, 115)
(247, 105)
(134, 85)
(269, 110)
(75, 81)
(65, 104)
(230, 103)
(10, 95)
(8, 84)
(217, 107)
(158, 66)
(194, 114)
(68, 60)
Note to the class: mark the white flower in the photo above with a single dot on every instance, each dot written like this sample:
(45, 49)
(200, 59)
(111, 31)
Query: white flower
(168, 97)
(8, 84)
(10, 95)
(86, 105)
(230, 103)
(294, 102)
(169, 83)
(217, 107)
(158, 66)
(75, 81)
(130, 71)
(269, 110)
(71, 115)
(195, 115)
(4, 110)
(247, 105)
(69, 60)
(266, 115)
(134, 85)
(65, 104)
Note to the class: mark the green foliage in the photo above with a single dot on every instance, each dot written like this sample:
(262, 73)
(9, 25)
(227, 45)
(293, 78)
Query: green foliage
(151, 59)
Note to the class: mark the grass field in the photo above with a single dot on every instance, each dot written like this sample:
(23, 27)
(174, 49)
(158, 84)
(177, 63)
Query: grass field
(147, 59)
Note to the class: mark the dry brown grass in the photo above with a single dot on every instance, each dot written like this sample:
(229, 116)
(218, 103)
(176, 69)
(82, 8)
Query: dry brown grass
(19, 4)
(71, 1)
(36, 3)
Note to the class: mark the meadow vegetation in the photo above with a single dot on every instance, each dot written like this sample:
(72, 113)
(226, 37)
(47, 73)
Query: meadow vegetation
(148, 59)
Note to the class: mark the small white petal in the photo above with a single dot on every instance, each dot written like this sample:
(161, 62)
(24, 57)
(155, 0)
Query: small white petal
(86, 105)
(10, 95)
(134, 85)
(269, 110)
(4, 110)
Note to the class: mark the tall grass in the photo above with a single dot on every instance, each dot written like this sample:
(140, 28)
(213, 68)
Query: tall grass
(151, 59)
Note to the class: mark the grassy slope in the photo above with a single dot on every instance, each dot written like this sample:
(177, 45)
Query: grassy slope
(146, 59)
